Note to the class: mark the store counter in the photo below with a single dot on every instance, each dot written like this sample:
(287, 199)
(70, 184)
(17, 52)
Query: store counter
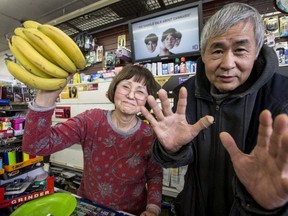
(87, 208)
(61, 203)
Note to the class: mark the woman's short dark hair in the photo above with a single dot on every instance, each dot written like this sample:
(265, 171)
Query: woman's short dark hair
(139, 74)
(151, 37)
(170, 31)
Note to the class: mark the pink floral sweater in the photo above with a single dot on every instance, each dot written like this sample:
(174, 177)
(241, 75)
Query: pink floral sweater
(119, 171)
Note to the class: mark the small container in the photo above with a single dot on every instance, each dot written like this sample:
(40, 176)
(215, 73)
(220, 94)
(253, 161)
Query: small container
(6, 124)
(177, 66)
(18, 124)
(1, 163)
(183, 65)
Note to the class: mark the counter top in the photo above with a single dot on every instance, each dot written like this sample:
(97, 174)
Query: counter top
(85, 206)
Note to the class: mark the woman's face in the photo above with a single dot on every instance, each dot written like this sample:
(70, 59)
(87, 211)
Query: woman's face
(151, 46)
(130, 96)
(169, 42)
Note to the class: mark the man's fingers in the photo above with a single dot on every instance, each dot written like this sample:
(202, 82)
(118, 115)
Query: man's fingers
(165, 102)
(279, 142)
(148, 115)
(155, 107)
(206, 121)
(201, 124)
(182, 102)
(230, 145)
(282, 157)
(265, 129)
(280, 128)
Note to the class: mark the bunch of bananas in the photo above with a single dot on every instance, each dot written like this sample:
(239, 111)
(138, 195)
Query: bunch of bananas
(46, 56)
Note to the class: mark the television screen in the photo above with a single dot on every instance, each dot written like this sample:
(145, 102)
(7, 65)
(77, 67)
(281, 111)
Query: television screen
(166, 35)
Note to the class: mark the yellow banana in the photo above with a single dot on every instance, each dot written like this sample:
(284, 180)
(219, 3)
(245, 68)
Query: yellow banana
(19, 32)
(52, 49)
(37, 59)
(30, 24)
(66, 43)
(29, 79)
(25, 63)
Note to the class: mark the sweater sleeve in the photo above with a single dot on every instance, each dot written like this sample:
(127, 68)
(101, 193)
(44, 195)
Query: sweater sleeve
(181, 158)
(154, 183)
(41, 138)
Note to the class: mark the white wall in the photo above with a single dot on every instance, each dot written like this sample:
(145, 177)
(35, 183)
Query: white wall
(4, 73)
(73, 156)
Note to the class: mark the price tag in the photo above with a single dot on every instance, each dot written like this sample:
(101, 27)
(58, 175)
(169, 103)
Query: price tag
(62, 112)
(162, 80)
(69, 92)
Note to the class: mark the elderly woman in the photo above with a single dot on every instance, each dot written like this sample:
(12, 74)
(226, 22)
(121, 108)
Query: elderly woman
(119, 171)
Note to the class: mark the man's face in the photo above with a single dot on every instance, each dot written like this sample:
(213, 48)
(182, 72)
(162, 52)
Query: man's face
(151, 46)
(229, 58)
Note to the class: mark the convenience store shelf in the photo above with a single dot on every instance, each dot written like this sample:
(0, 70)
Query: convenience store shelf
(10, 168)
(11, 143)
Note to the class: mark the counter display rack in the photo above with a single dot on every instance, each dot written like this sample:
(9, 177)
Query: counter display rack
(6, 201)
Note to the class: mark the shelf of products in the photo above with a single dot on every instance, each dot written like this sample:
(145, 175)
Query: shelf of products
(10, 144)
(20, 165)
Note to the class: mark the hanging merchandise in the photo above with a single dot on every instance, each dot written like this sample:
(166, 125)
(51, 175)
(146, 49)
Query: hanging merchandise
(111, 60)
(89, 43)
(90, 58)
(283, 26)
(85, 42)
(270, 39)
(80, 41)
(99, 53)
(272, 26)
(121, 42)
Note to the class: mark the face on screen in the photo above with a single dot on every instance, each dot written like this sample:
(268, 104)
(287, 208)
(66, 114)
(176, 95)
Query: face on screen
(176, 33)
(151, 46)
(169, 42)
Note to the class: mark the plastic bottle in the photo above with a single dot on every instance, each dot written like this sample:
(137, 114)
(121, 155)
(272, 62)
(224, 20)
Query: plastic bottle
(183, 65)
(177, 66)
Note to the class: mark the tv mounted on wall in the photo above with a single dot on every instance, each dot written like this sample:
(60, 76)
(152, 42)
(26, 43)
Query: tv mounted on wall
(177, 30)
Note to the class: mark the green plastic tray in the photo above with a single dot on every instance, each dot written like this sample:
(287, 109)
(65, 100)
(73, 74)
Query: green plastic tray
(57, 204)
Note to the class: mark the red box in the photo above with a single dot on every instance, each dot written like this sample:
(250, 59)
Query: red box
(25, 198)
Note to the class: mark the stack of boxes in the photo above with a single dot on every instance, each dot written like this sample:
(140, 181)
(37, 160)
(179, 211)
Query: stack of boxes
(21, 174)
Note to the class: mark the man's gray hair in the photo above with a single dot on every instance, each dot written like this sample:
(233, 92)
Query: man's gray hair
(232, 14)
